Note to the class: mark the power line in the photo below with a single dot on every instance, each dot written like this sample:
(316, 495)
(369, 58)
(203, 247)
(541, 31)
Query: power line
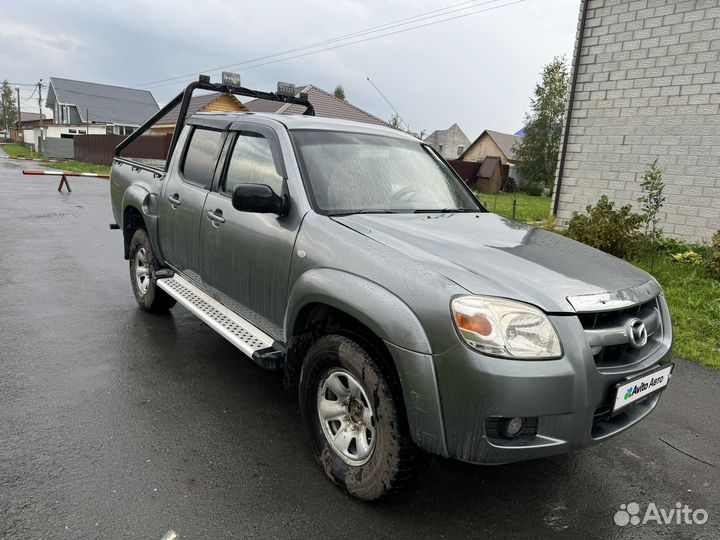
(386, 26)
(397, 22)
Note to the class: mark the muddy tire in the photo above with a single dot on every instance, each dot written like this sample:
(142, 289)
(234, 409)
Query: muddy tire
(354, 417)
(143, 265)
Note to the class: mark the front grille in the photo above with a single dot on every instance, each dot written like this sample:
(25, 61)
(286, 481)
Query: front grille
(609, 339)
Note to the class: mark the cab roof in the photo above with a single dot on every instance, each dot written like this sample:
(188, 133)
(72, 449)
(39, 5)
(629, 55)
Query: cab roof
(296, 122)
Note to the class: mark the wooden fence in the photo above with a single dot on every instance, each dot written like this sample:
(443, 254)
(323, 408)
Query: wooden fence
(100, 149)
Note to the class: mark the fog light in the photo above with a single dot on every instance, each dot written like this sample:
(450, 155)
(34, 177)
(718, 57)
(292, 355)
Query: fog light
(512, 426)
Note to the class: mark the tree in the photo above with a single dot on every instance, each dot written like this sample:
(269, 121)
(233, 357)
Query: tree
(652, 199)
(395, 122)
(339, 92)
(537, 156)
(8, 106)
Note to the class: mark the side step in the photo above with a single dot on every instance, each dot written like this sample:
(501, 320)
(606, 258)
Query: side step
(245, 336)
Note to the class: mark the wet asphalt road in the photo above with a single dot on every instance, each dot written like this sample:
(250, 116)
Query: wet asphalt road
(119, 424)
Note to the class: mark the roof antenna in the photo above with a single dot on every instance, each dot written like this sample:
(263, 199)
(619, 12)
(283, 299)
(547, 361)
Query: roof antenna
(388, 102)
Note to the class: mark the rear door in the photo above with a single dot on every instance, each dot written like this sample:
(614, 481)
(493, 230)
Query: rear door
(184, 197)
(247, 255)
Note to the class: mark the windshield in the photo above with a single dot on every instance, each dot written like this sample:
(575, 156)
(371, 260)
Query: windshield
(349, 173)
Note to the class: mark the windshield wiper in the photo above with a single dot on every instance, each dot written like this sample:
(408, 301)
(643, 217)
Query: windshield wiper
(443, 210)
(366, 211)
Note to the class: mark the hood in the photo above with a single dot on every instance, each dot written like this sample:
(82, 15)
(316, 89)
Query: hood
(488, 254)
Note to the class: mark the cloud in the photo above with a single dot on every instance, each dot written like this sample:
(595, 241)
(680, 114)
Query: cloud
(478, 71)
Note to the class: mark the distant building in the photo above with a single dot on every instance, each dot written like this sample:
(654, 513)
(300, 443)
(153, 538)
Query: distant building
(450, 143)
(77, 103)
(208, 103)
(499, 145)
(325, 104)
(493, 144)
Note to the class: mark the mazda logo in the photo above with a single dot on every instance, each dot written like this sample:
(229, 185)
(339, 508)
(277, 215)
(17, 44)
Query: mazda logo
(637, 333)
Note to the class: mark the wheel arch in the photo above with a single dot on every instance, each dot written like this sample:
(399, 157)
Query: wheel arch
(325, 300)
(138, 212)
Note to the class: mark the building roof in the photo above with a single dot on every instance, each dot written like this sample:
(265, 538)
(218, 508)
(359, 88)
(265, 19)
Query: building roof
(325, 104)
(197, 103)
(454, 132)
(32, 117)
(504, 141)
(104, 103)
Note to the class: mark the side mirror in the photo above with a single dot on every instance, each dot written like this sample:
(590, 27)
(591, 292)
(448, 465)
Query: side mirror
(259, 198)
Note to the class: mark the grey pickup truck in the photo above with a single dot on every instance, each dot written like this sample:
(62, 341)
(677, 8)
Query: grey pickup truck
(410, 319)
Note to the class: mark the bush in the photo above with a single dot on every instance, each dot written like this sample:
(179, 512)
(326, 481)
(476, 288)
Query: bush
(687, 257)
(713, 264)
(534, 188)
(613, 231)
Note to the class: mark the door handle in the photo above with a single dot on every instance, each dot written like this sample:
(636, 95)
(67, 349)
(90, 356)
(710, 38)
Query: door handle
(216, 217)
(174, 199)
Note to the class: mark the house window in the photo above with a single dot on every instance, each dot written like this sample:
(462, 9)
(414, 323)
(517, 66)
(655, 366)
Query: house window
(440, 147)
(460, 149)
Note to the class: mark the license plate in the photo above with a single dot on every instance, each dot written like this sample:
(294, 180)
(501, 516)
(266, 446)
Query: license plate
(636, 389)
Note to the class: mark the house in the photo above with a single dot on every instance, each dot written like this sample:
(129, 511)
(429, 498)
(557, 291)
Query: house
(28, 120)
(77, 103)
(450, 143)
(500, 145)
(325, 104)
(644, 87)
(485, 176)
(495, 144)
(203, 103)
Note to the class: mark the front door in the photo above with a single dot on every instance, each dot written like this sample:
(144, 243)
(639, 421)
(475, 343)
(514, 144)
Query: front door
(183, 200)
(247, 255)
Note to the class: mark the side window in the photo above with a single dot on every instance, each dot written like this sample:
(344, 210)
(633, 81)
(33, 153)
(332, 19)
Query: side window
(251, 162)
(201, 156)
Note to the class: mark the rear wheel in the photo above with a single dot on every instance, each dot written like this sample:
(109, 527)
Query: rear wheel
(143, 265)
(353, 415)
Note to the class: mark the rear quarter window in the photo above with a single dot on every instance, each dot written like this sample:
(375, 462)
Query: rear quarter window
(201, 156)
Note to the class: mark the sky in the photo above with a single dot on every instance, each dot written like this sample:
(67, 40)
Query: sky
(478, 69)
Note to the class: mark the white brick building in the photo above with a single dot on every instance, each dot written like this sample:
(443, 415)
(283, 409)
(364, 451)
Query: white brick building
(646, 85)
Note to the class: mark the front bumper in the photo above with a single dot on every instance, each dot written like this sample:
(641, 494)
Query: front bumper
(569, 397)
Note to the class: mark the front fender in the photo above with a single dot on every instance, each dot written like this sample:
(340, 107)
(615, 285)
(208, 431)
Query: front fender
(374, 306)
(395, 323)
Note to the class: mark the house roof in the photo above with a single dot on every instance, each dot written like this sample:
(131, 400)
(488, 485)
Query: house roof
(105, 104)
(454, 132)
(504, 141)
(32, 117)
(325, 104)
(197, 103)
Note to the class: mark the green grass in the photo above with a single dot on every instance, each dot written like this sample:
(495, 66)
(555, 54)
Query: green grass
(79, 166)
(694, 300)
(529, 208)
(15, 150)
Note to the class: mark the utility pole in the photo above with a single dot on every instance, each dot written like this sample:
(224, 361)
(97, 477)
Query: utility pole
(40, 139)
(19, 125)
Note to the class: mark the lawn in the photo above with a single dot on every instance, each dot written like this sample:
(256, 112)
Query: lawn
(79, 166)
(694, 300)
(529, 208)
(16, 150)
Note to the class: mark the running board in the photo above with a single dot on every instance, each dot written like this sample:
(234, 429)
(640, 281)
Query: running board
(245, 336)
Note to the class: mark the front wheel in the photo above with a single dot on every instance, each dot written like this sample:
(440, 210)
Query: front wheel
(353, 414)
(143, 265)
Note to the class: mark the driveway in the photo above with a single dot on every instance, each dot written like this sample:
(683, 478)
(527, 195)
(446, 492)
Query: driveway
(119, 424)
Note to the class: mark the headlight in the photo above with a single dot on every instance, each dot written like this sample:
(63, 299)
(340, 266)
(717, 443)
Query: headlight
(500, 327)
